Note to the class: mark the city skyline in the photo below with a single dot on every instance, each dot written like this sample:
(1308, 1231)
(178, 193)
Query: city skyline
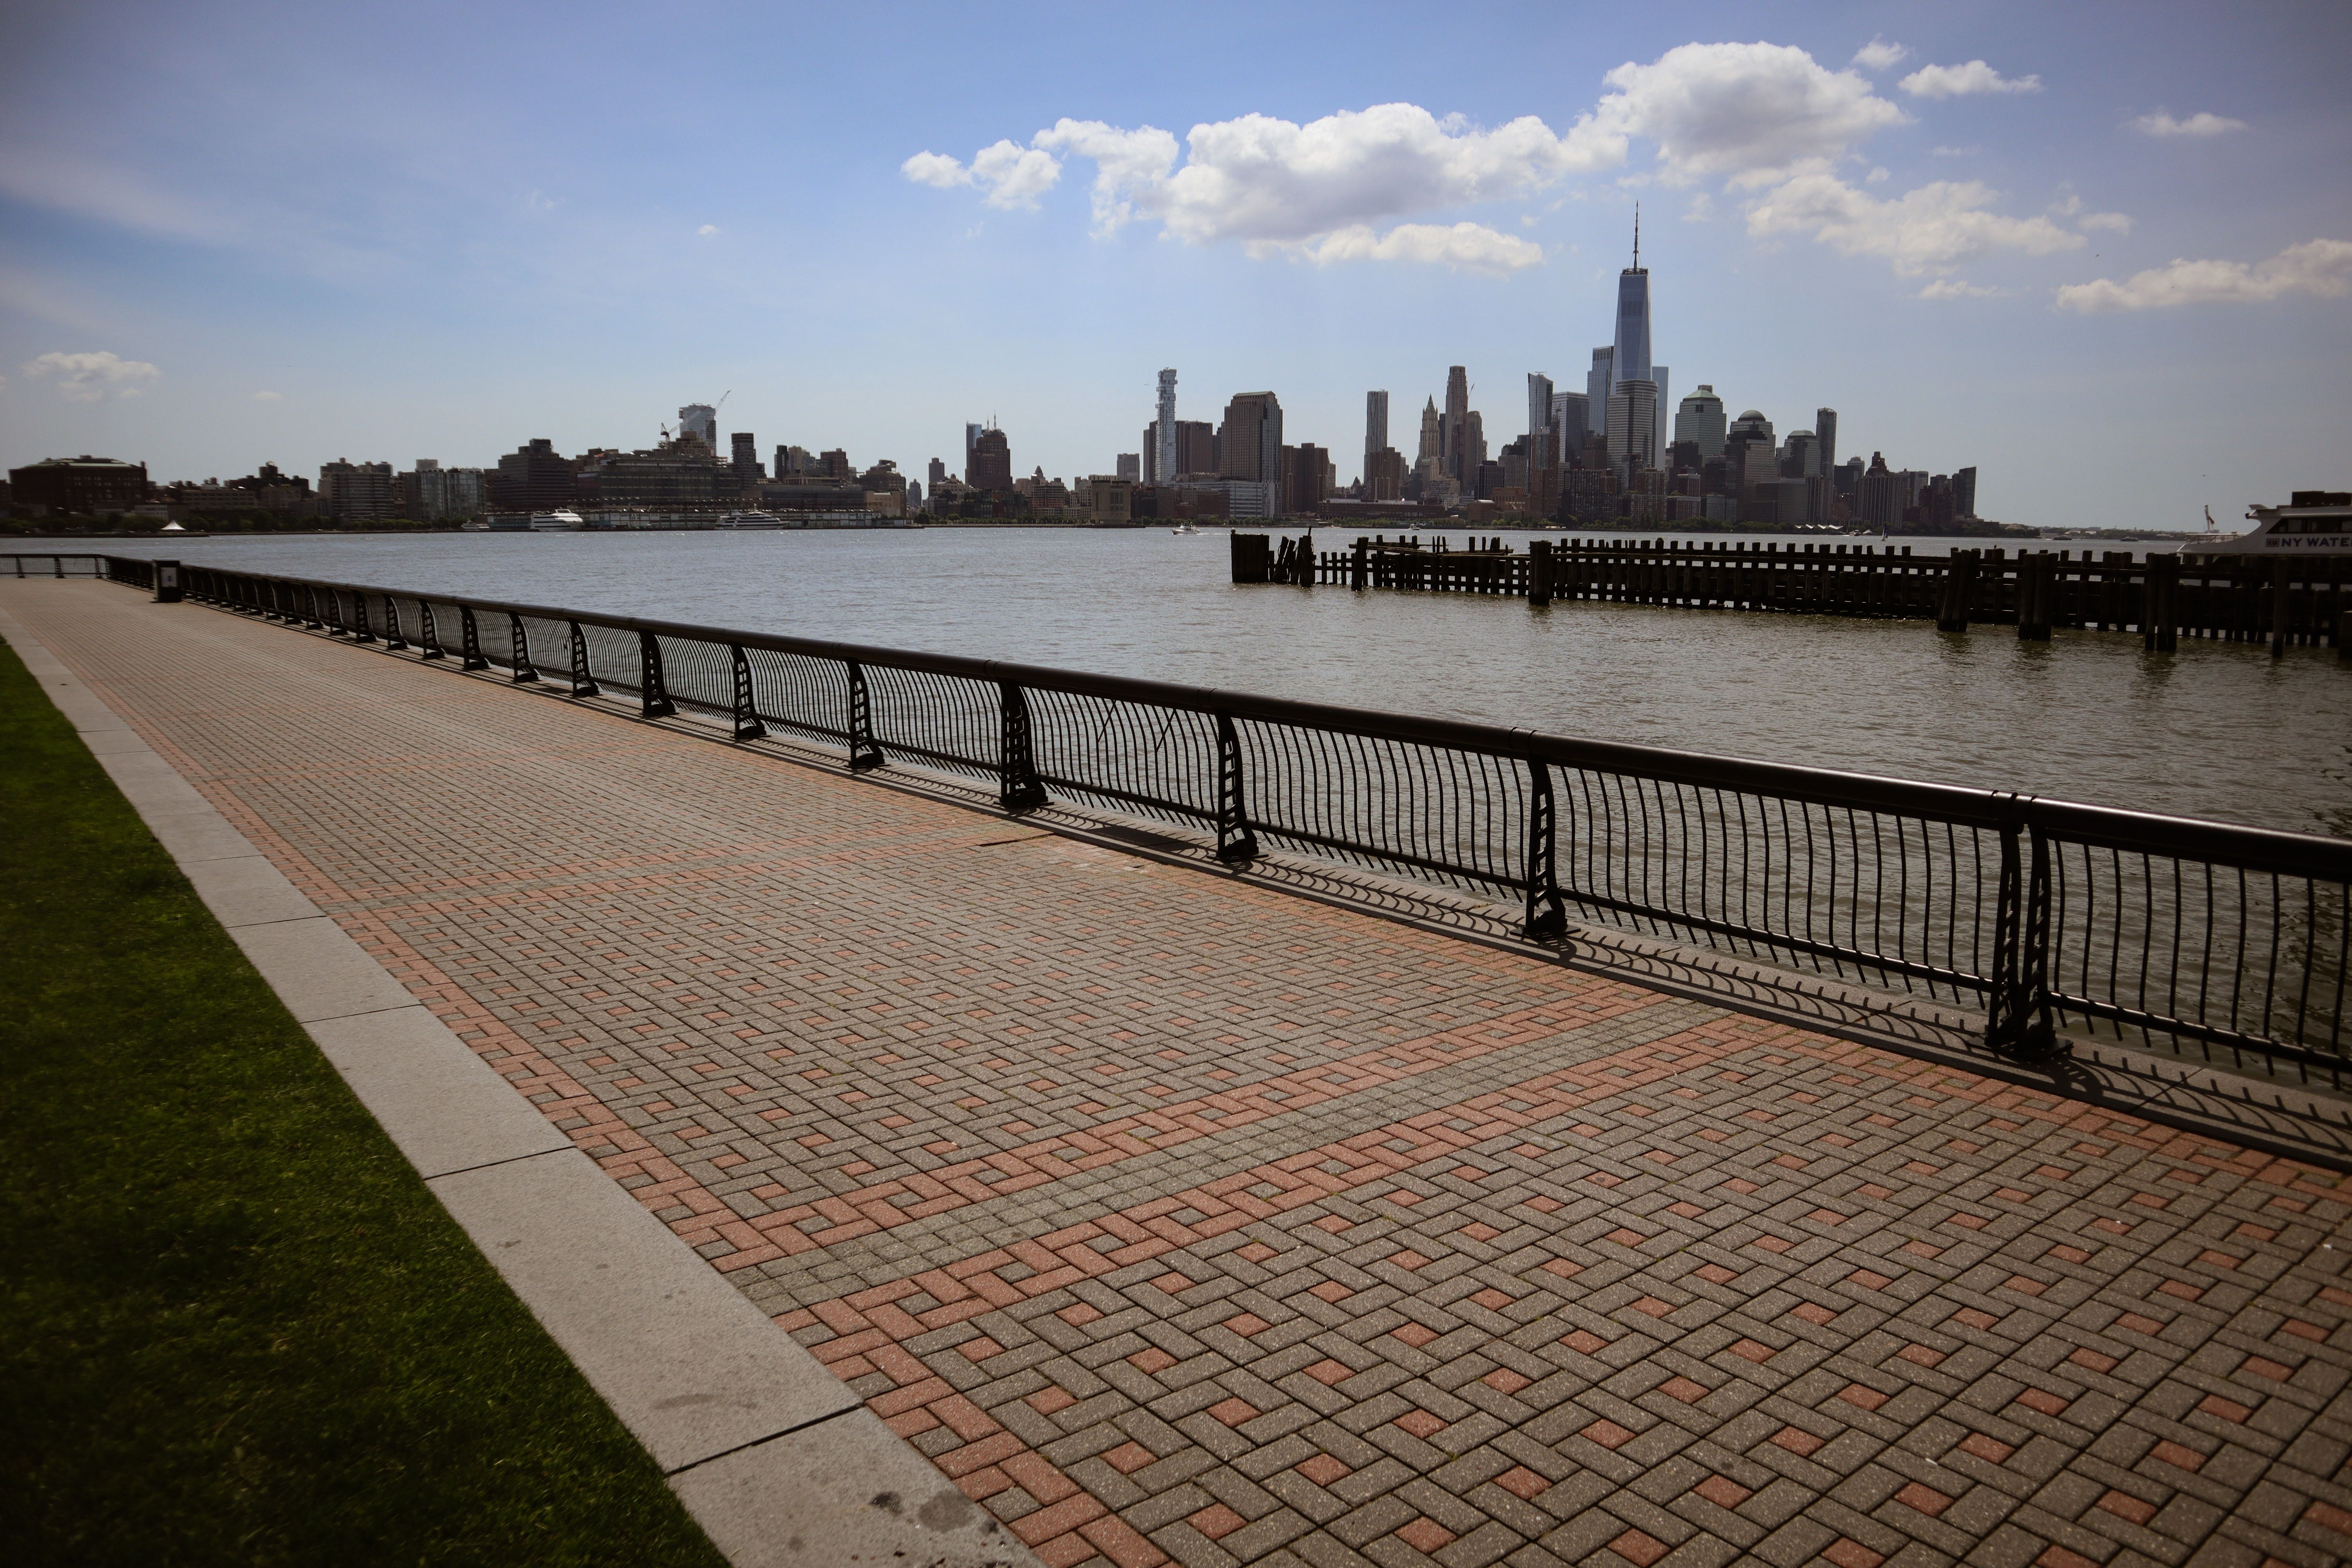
(1959, 229)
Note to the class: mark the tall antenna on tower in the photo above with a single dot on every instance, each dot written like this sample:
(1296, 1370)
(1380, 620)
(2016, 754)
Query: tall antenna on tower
(1637, 237)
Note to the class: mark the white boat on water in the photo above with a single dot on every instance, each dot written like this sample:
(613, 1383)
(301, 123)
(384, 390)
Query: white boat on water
(563, 521)
(1183, 528)
(2313, 522)
(752, 520)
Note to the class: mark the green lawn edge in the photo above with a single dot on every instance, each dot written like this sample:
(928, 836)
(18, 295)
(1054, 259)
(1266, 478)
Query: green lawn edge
(235, 1324)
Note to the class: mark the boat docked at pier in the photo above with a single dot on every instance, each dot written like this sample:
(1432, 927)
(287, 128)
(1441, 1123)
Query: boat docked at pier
(2313, 522)
(561, 521)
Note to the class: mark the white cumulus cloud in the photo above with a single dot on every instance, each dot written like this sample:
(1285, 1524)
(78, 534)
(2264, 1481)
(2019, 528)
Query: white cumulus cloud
(88, 377)
(1467, 247)
(1272, 184)
(2318, 267)
(707, 231)
(1260, 179)
(1963, 81)
(1011, 176)
(1927, 231)
(1878, 55)
(1953, 289)
(1750, 113)
(2162, 124)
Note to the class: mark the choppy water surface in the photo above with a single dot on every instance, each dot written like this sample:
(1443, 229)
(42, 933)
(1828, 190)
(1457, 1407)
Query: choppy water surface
(2217, 730)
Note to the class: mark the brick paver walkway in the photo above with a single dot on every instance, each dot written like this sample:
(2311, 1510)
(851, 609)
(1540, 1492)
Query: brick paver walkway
(1178, 1219)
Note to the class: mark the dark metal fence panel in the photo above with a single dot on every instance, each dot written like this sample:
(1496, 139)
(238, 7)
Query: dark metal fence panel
(614, 656)
(51, 565)
(2227, 951)
(806, 696)
(2158, 930)
(1455, 814)
(698, 674)
(951, 722)
(1126, 756)
(1885, 898)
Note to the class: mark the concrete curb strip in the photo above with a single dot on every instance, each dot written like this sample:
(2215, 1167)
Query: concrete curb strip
(777, 1459)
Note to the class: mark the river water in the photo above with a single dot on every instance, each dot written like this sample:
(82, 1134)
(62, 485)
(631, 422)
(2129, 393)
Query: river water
(2217, 730)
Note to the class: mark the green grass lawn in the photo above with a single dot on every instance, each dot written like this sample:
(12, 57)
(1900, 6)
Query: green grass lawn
(235, 1326)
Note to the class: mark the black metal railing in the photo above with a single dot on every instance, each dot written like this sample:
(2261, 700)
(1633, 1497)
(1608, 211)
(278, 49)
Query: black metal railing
(119, 568)
(2051, 917)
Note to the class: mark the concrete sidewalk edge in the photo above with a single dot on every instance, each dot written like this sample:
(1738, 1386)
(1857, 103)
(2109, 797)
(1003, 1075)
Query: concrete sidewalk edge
(778, 1461)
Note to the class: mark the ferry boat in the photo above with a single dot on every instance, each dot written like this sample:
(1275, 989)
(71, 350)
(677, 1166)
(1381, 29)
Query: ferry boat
(752, 520)
(2313, 522)
(565, 521)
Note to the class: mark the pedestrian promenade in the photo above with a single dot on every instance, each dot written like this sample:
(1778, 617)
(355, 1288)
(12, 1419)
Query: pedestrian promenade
(1179, 1219)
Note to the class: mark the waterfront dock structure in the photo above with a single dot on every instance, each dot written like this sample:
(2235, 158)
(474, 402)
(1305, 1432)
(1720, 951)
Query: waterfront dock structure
(1174, 1216)
(2237, 598)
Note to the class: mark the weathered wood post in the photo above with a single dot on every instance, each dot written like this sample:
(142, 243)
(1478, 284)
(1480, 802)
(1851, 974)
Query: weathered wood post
(2168, 620)
(2033, 584)
(1250, 557)
(2281, 604)
(1539, 572)
(1359, 565)
(1959, 583)
(2343, 636)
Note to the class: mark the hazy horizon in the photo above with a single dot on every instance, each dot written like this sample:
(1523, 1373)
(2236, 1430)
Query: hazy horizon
(2102, 254)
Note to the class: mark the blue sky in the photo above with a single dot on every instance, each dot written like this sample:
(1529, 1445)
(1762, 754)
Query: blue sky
(2003, 237)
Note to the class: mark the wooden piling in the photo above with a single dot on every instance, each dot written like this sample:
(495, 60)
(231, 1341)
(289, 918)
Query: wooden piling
(2281, 606)
(2034, 576)
(1959, 583)
(1539, 572)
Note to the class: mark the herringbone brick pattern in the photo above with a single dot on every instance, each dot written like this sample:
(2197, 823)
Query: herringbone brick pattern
(1181, 1221)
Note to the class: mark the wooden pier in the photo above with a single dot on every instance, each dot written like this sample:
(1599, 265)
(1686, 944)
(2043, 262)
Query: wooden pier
(2164, 598)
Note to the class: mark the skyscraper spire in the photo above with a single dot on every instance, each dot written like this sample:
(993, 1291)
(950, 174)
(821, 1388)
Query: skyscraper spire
(1637, 237)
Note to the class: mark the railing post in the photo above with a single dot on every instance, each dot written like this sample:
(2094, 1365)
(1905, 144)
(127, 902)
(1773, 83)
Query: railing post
(653, 696)
(524, 670)
(1018, 787)
(429, 638)
(393, 640)
(1236, 842)
(863, 752)
(2001, 1000)
(1546, 911)
(2017, 1011)
(471, 658)
(2038, 1034)
(747, 712)
(583, 681)
(359, 632)
(311, 616)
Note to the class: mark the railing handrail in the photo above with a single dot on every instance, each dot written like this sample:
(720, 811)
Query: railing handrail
(2235, 845)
